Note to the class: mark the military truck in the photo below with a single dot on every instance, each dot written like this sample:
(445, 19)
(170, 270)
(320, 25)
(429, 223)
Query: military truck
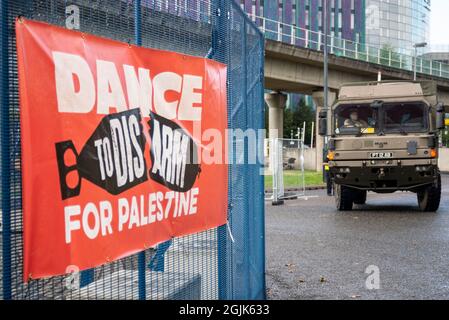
(383, 137)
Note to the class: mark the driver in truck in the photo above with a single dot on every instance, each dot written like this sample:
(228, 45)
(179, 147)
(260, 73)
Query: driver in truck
(354, 121)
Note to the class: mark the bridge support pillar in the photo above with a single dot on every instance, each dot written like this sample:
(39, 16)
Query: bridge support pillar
(318, 98)
(276, 104)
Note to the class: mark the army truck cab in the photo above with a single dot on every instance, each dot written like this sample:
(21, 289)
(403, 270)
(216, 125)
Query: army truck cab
(383, 137)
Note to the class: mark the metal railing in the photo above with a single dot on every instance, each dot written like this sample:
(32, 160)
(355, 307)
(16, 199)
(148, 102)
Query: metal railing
(302, 37)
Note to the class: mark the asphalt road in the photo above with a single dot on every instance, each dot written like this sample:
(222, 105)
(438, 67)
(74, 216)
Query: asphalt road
(315, 252)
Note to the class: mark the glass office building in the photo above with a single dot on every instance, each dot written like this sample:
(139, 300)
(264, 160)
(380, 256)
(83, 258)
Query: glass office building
(346, 17)
(397, 23)
(346, 20)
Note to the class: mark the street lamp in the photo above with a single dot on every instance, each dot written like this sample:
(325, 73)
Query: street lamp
(416, 46)
(326, 63)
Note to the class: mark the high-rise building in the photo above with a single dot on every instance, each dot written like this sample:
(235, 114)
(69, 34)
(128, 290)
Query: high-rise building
(346, 17)
(398, 24)
(346, 20)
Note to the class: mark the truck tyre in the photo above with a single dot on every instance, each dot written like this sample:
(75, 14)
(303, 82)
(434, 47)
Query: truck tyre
(343, 198)
(429, 197)
(360, 197)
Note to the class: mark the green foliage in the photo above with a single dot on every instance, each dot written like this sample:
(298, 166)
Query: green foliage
(445, 137)
(293, 178)
(296, 117)
(389, 56)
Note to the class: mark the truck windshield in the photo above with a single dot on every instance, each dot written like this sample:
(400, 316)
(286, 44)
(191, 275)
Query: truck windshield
(405, 117)
(355, 118)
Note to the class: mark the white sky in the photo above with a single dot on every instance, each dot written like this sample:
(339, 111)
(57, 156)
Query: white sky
(439, 22)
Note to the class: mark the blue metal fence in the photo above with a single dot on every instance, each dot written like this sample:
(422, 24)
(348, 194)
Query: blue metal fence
(207, 265)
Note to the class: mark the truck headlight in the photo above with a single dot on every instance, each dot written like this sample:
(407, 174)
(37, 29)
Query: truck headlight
(422, 168)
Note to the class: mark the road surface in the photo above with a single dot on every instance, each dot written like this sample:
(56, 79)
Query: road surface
(315, 252)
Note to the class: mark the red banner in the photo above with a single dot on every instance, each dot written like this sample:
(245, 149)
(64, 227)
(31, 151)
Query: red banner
(112, 138)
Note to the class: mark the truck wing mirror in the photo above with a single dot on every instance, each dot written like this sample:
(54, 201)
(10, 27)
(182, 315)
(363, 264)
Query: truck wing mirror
(440, 116)
(446, 111)
(377, 104)
(446, 108)
(322, 125)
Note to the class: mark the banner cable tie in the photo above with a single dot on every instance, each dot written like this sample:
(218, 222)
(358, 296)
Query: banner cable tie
(230, 233)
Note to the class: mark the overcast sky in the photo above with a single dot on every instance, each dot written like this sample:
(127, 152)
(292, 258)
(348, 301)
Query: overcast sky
(439, 22)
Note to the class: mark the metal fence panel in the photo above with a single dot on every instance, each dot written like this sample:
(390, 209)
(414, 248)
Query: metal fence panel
(206, 265)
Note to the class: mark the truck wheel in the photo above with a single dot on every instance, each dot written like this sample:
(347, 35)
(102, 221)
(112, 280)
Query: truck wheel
(343, 198)
(360, 197)
(429, 197)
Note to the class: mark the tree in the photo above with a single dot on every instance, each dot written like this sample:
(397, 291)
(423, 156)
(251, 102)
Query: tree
(288, 123)
(445, 137)
(389, 57)
(304, 113)
(295, 118)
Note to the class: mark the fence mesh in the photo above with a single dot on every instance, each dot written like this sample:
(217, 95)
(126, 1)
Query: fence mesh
(207, 265)
(284, 169)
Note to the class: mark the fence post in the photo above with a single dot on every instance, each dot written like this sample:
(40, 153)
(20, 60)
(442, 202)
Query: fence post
(141, 255)
(249, 115)
(311, 135)
(279, 31)
(307, 38)
(220, 48)
(319, 41)
(332, 45)
(292, 35)
(6, 154)
(262, 177)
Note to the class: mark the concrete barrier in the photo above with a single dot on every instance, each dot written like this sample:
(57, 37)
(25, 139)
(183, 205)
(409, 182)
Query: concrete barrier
(310, 159)
(443, 162)
(294, 153)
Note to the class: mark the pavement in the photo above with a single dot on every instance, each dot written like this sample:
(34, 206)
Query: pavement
(386, 249)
